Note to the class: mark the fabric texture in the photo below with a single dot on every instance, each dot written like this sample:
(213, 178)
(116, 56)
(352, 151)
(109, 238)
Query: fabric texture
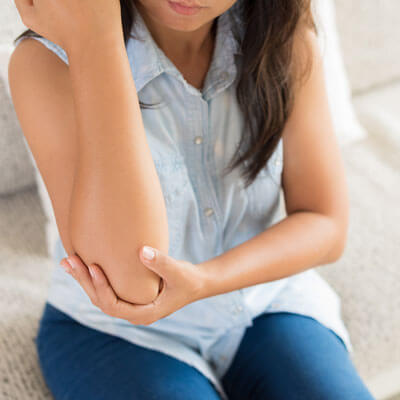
(15, 164)
(281, 356)
(192, 136)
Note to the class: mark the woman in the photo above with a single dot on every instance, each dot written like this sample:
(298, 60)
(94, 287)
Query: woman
(166, 124)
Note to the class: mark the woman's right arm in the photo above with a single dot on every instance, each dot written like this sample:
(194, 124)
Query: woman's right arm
(84, 127)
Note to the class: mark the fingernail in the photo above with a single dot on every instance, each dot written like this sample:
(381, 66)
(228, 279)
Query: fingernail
(72, 263)
(66, 265)
(91, 272)
(148, 252)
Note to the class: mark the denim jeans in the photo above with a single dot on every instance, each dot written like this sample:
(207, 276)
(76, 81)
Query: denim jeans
(282, 356)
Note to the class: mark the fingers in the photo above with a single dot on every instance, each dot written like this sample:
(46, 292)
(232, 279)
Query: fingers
(107, 299)
(26, 11)
(161, 287)
(167, 267)
(80, 272)
(96, 285)
(142, 314)
(148, 313)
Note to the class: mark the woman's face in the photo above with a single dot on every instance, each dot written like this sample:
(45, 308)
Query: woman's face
(171, 14)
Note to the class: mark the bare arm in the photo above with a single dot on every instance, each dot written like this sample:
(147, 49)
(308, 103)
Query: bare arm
(314, 183)
(116, 203)
(84, 127)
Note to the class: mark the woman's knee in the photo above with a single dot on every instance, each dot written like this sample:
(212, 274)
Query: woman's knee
(290, 356)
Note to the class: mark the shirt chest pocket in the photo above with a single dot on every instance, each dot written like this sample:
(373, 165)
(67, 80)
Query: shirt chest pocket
(263, 193)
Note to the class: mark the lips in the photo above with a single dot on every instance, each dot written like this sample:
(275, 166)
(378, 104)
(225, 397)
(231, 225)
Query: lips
(185, 10)
(186, 4)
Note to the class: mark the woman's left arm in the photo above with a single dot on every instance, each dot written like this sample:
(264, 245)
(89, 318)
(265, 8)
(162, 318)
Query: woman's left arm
(316, 199)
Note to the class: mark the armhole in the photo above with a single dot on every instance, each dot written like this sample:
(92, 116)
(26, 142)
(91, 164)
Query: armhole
(55, 48)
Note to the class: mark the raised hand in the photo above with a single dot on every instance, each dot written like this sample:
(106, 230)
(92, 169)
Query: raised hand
(65, 21)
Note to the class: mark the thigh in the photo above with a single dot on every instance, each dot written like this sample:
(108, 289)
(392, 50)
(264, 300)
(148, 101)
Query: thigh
(292, 357)
(82, 363)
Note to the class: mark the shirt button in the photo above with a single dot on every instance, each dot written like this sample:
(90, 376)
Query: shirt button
(198, 140)
(236, 310)
(277, 162)
(224, 75)
(208, 211)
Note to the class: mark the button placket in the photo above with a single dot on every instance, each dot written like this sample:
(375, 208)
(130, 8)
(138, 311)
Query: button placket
(208, 211)
(208, 198)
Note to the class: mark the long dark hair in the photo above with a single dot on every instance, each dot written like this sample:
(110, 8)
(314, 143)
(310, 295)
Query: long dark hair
(266, 81)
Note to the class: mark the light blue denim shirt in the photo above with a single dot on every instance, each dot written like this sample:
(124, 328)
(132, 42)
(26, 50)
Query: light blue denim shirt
(192, 136)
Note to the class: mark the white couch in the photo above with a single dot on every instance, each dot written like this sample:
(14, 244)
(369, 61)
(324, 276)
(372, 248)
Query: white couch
(367, 276)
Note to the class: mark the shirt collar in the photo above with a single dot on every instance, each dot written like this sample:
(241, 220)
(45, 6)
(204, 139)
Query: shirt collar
(153, 61)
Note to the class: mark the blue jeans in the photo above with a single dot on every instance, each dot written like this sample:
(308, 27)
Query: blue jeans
(282, 356)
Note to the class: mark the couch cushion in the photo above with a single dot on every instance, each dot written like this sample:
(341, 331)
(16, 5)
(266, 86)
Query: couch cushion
(15, 163)
(24, 276)
(346, 126)
(369, 36)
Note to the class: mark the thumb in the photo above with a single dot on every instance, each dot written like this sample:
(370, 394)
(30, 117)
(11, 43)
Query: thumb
(157, 261)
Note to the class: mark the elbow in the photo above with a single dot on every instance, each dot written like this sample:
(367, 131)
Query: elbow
(138, 285)
(118, 256)
(131, 281)
(339, 242)
(137, 288)
(336, 252)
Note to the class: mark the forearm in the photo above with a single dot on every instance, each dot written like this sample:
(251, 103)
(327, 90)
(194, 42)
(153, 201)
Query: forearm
(116, 203)
(298, 242)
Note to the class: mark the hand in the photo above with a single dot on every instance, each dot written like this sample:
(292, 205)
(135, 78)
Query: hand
(182, 283)
(63, 21)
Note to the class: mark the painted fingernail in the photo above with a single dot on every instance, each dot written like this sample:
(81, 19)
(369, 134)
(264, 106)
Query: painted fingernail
(148, 252)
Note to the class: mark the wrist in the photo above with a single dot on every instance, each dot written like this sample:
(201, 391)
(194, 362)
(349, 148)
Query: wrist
(208, 279)
(86, 42)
